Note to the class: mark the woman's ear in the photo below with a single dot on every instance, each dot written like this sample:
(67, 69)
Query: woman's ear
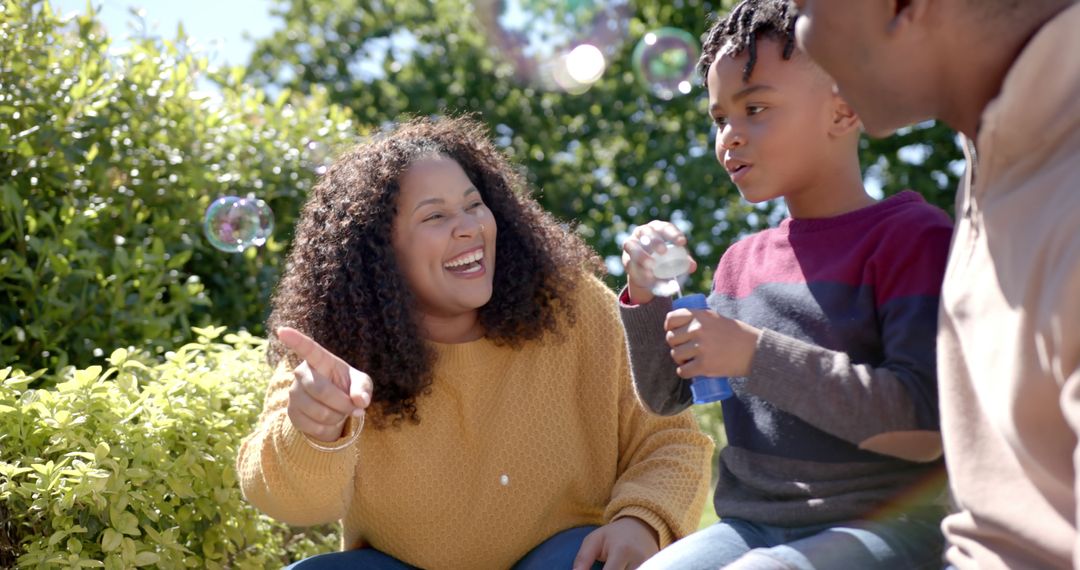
(844, 118)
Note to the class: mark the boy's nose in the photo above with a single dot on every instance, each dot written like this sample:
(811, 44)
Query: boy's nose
(729, 138)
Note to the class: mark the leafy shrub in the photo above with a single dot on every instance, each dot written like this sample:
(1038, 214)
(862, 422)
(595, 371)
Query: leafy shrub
(133, 465)
(107, 164)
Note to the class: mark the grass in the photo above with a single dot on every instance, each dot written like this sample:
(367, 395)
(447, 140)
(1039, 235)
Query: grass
(711, 421)
(708, 516)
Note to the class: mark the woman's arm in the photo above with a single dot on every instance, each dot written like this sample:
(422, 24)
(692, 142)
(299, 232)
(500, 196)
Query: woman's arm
(286, 477)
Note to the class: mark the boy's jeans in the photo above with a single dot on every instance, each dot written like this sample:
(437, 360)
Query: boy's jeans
(909, 542)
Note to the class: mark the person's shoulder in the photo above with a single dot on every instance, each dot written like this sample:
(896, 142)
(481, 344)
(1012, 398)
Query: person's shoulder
(913, 212)
(593, 305)
(591, 291)
(909, 225)
(754, 240)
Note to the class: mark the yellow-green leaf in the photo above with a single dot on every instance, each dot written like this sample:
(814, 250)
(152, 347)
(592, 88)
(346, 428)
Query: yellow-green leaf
(118, 356)
(110, 540)
(146, 558)
(127, 523)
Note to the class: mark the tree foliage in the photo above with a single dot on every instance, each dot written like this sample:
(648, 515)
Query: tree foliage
(106, 167)
(132, 465)
(608, 159)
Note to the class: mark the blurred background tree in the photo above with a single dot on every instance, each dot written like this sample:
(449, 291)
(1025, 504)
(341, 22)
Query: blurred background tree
(608, 158)
(107, 162)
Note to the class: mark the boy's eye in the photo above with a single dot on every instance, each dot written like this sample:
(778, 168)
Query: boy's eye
(754, 109)
(720, 121)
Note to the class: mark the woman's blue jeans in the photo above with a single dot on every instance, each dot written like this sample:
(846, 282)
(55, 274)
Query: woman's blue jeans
(555, 553)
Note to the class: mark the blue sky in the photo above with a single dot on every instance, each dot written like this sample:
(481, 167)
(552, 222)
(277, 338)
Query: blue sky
(219, 26)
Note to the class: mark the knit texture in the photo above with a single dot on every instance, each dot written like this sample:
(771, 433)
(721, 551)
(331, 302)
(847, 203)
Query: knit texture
(513, 446)
(838, 417)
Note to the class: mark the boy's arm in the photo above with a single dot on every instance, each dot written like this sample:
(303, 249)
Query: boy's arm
(890, 408)
(653, 371)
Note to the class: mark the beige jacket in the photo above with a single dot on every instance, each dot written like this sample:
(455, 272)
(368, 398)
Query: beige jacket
(1009, 342)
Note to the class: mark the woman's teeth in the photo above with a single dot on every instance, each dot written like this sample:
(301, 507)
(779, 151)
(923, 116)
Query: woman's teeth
(465, 260)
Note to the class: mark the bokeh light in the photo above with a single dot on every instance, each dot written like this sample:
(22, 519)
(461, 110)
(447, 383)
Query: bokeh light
(585, 63)
(664, 61)
(234, 224)
(556, 45)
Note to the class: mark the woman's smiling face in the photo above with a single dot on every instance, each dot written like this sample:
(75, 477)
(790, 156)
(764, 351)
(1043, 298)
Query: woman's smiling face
(444, 239)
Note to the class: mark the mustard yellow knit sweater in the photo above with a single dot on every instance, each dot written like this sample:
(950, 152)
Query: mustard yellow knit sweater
(513, 446)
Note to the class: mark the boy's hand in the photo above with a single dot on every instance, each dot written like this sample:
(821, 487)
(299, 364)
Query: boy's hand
(325, 391)
(638, 251)
(622, 544)
(704, 343)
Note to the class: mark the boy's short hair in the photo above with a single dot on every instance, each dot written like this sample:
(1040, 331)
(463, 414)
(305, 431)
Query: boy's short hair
(749, 20)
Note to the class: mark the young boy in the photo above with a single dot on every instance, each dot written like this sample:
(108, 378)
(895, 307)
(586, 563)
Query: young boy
(999, 72)
(825, 326)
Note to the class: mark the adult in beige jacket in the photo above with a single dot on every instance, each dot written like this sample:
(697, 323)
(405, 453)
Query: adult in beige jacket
(1006, 74)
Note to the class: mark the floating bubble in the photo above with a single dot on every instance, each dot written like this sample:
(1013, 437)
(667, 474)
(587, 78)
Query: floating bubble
(556, 44)
(664, 62)
(670, 269)
(318, 156)
(233, 224)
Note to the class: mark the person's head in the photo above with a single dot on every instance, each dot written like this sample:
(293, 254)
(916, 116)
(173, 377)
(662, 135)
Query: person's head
(781, 127)
(900, 63)
(426, 222)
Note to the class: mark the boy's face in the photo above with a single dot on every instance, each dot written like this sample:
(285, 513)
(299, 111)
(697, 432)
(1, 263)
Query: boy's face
(773, 131)
(876, 55)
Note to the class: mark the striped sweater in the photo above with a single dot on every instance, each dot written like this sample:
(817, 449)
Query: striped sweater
(838, 418)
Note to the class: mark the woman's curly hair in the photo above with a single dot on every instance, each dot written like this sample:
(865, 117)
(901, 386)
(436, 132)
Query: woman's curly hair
(342, 285)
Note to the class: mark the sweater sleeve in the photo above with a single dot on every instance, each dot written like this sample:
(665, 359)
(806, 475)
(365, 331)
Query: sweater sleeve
(888, 407)
(664, 464)
(1059, 340)
(660, 389)
(1071, 402)
(282, 475)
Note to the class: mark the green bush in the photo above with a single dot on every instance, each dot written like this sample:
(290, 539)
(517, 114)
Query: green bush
(107, 164)
(133, 465)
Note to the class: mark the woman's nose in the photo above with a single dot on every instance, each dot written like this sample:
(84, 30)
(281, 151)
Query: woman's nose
(468, 226)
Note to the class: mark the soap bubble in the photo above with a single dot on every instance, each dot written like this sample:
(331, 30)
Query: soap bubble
(664, 61)
(670, 269)
(233, 224)
(557, 45)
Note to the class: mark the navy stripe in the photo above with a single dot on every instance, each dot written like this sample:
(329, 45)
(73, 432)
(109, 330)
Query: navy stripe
(840, 318)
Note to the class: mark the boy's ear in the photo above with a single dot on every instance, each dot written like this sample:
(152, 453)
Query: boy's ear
(844, 118)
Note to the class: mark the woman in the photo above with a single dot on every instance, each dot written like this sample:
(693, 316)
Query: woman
(441, 306)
